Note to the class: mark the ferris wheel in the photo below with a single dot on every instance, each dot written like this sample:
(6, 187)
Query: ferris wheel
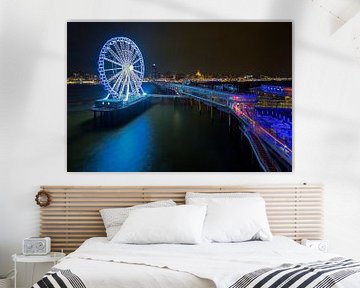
(121, 68)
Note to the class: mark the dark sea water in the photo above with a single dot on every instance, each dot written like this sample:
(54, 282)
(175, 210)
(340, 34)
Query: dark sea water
(166, 137)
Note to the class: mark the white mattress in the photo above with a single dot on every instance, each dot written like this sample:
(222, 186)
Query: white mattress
(102, 264)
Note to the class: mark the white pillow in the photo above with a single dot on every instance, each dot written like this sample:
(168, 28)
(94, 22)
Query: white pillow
(204, 198)
(180, 224)
(113, 218)
(236, 220)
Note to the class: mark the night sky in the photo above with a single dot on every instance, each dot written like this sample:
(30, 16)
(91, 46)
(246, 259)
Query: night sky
(184, 47)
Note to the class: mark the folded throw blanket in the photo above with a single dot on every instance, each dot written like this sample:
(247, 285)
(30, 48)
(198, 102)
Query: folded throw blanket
(319, 274)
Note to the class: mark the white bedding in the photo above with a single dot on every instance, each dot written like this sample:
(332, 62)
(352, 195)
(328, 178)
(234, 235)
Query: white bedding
(100, 263)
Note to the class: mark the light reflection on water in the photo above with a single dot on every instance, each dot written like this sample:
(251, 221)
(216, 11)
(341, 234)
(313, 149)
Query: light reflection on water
(166, 137)
(124, 150)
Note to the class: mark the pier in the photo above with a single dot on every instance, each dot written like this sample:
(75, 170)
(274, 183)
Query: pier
(272, 152)
(112, 111)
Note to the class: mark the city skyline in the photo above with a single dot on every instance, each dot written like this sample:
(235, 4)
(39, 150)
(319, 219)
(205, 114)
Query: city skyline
(184, 47)
(93, 79)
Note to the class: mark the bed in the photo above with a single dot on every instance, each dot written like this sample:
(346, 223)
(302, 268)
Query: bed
(294, 211)
(99, 263)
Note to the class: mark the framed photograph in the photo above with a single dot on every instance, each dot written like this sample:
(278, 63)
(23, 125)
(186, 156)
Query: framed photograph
(179, 97)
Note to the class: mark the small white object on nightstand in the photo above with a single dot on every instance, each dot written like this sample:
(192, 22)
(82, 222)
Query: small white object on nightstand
(320, 245)
(36, 246)
(53, 257)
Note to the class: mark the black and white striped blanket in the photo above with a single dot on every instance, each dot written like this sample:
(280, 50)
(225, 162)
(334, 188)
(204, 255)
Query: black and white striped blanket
(320, 274)
(59, 278)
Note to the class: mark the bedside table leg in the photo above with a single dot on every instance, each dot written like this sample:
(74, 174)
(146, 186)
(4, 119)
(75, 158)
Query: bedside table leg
(32, 274)
(15, 273)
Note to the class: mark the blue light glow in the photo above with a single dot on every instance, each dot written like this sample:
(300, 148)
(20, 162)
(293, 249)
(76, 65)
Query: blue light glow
(278, 90)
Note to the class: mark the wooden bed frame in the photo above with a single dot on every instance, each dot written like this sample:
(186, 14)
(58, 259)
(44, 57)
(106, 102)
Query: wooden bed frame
(73, 215)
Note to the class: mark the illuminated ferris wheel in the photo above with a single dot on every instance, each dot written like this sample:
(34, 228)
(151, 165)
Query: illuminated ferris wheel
(121, 68)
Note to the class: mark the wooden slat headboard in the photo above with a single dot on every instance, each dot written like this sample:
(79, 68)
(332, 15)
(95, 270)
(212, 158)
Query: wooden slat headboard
(73, 215)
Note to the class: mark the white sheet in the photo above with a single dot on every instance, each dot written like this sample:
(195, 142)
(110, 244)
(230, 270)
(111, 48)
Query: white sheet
(101, 274)
(101, 264)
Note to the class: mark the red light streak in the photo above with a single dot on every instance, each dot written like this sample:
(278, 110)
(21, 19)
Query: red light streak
(258, 128)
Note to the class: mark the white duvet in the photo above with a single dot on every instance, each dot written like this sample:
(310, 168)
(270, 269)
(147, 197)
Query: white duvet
(100, 263)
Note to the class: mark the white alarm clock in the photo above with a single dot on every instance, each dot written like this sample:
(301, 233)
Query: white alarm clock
(36, 246)
(320, 245)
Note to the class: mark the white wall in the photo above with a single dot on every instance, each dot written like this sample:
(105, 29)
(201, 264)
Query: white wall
(33, 106)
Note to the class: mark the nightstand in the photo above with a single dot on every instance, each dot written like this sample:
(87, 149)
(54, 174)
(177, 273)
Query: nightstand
(320, 245)
(53, 257)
